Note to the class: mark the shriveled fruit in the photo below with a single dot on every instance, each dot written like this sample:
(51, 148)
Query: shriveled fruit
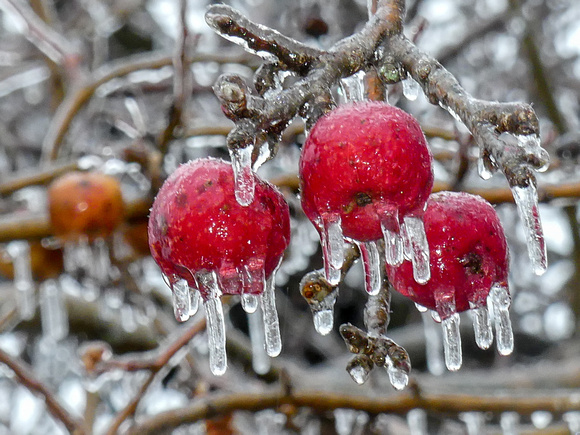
(365, 174)
(205, 241)
(469, 269)
(85, 204)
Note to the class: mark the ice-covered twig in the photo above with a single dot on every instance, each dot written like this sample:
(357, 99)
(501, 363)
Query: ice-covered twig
(29, 380)
(506, 133)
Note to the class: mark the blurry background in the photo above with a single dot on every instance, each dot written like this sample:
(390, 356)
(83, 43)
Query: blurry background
(89, 85)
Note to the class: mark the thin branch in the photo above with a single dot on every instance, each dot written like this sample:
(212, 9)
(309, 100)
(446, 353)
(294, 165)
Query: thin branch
(27, 378)
(321, 401)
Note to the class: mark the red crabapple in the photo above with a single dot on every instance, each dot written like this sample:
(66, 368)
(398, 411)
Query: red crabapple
(469, 270)
(366, 174)
(203, 239)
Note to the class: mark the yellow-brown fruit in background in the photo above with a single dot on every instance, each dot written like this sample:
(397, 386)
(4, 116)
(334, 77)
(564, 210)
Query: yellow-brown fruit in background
(85, 203)
(45, 263)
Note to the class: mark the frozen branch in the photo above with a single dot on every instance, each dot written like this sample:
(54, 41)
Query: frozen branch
(27, 378)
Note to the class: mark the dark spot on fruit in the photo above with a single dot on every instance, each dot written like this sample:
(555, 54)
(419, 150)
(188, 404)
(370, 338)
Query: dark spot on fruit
(472, 262)
(85, 184)
(225, 208)
(162, 224)
(181, 200)
(363, 199)
(348, 207)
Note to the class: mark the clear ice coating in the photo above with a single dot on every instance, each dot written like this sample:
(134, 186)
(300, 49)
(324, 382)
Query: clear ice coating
(270, 317)
(526, 199)
(452, 342)
(485, 166)
(332, 247)
(53, 314)
(482, 327)
(398, 378)
(216, 330)
(498, 303)
(194, 298)
(260, 359)
(243, 175)
(323, 313)
(352, 88)
(372, 266)
(474, 422)
(358, 373)
(417, 248)
(572, 419)
(181, 300)
(411, 89)
(417, 421)
(249, 302)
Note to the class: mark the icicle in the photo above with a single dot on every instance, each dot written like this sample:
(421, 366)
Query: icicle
(101, 263)
(358, 372)
(526, 199)
(128, 322)
(260, 359)
(323, 313)
(270, 317)
(498, 302)
(53, 314)
(216, 328)
(417, 241)
(243, 175)
(393, 239)
(372, 266)
(352, 88)
(411, 89)
(398, 378)
(349, 421)
(193, 301)
(253, 278)
(417, 421)
(270, 422)
(332, 248)
(19, 252)
(541, 419)
(482, 326)
(474, 421)
(181, 300)
(485, 166)
(572, 419)
(509, 422)
(452, 342)
(433, 345)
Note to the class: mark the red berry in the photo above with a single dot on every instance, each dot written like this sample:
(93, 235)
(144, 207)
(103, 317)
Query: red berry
(468, 255)
(196, 225)
(362, 161)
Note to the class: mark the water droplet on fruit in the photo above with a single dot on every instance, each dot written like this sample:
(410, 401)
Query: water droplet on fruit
(398, 378)
(410, 89)
(452, 342)
(270, 318)
(332, 247)
(250, 302)
(214, 314)
(526, 199)
(498, 302)
(181, 300)
(372, 266)
(414, 232)
(352, 88)
(482, 327)
(260, 359)
(243, 174)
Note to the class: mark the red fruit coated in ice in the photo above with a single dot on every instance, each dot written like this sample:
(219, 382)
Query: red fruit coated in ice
(468, 253)
(361, 158)
(196, 223)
